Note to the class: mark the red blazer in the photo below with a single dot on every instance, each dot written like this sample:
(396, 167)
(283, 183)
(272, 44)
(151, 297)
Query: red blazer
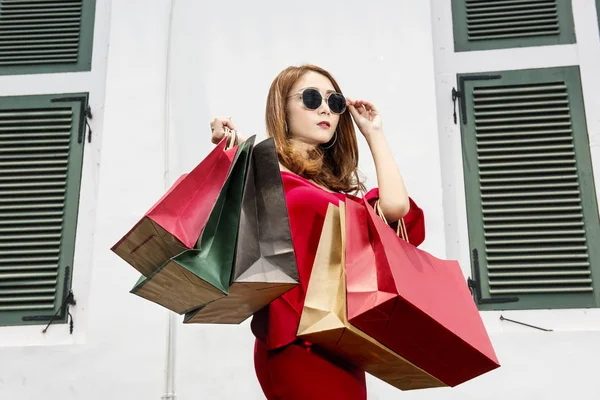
(307, 203)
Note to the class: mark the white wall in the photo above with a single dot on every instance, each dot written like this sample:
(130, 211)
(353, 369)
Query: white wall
(152, 125)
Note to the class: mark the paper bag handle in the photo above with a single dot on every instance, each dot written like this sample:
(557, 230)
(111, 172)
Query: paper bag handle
(400, 229)
(232, 138)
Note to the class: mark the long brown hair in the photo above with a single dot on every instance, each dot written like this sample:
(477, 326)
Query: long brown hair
(335, 168)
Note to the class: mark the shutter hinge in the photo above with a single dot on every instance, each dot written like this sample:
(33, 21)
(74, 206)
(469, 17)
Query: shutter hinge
(68, 300)
(86, 112)
(460, 94)
(476, 288)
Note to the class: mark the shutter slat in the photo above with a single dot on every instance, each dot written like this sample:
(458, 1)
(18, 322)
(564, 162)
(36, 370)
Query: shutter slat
(22, 163)
(67, 42)
(542, 282)
(10, 14)
(521, 233)
(529, 148)
(530, 194)
(494, 11)
(538, 217)
(527, 163)
(532, 290)
(5, 276)
(533, 186)
(7, 292)
(529, 241)
(29, 252)
(539, 249)
(4, 229)
(516, 141)
(32, 206)
(508, 99)
(485, 129)
(31, 184)
(521, 257)
(510, 24)
(30, 177)
(516, 134)
(25, 299)
(538, 273)
(514, 89)
(4, 268)
(34, 141)
(505, 104)
(531, 209)
(543, 266)
(28, 283)
(28, 307)
(27, 244)
(524, 202)
(515, 111)
(524, 29)
(28, 200)
(37, 148)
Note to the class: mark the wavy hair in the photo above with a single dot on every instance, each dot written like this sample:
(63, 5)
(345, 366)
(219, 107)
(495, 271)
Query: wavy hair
(335, 168)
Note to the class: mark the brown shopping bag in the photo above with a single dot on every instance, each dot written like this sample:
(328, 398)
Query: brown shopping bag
(265, 262)
(324, 321)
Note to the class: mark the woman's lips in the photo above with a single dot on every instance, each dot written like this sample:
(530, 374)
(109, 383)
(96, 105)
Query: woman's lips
(324, 125)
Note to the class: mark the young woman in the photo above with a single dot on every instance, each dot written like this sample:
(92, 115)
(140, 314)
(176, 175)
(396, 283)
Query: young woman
(308, 117)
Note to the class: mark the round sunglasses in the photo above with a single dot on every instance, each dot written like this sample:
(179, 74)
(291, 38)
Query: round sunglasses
(312, 100)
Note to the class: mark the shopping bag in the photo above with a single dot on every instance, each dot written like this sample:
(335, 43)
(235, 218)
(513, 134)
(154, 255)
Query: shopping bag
(414, 303)
(200, 275)
(175, 222)
(324, 323)
(265, 263)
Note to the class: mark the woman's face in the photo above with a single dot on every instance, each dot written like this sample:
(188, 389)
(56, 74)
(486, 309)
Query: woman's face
(311, 127)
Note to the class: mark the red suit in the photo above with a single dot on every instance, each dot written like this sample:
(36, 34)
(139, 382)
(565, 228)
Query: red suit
(287, 367)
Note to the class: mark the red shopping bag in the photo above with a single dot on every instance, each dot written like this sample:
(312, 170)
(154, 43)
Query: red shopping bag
(412, 302)
(175, 222)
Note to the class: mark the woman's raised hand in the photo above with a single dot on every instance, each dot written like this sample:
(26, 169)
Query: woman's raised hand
(218, 127)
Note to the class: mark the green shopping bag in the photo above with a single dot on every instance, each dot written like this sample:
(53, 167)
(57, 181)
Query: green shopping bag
(200, 275)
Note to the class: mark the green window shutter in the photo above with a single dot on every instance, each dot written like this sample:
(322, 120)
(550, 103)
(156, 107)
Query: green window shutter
(501, 24)
(41, 154)
(46, 36)
(531, 202)
(598, 12)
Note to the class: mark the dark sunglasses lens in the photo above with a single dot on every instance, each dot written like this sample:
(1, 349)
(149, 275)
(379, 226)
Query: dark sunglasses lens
(337, 103)
(312, 99)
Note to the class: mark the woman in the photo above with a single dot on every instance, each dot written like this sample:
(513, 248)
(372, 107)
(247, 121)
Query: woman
(318, 153)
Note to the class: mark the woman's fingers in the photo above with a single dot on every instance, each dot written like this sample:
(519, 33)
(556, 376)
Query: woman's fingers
(219, 127)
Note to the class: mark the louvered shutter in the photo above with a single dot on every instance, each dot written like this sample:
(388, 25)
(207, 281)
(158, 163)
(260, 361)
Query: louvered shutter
(499, 24)
(531, 202)
(598, 12)
(41, 153)
(45, 36)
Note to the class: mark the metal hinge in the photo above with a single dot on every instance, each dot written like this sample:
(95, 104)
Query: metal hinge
(68, 300)
(476, 288)
(460, 93)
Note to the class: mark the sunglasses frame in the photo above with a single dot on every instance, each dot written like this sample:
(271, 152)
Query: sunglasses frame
(326, 99)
